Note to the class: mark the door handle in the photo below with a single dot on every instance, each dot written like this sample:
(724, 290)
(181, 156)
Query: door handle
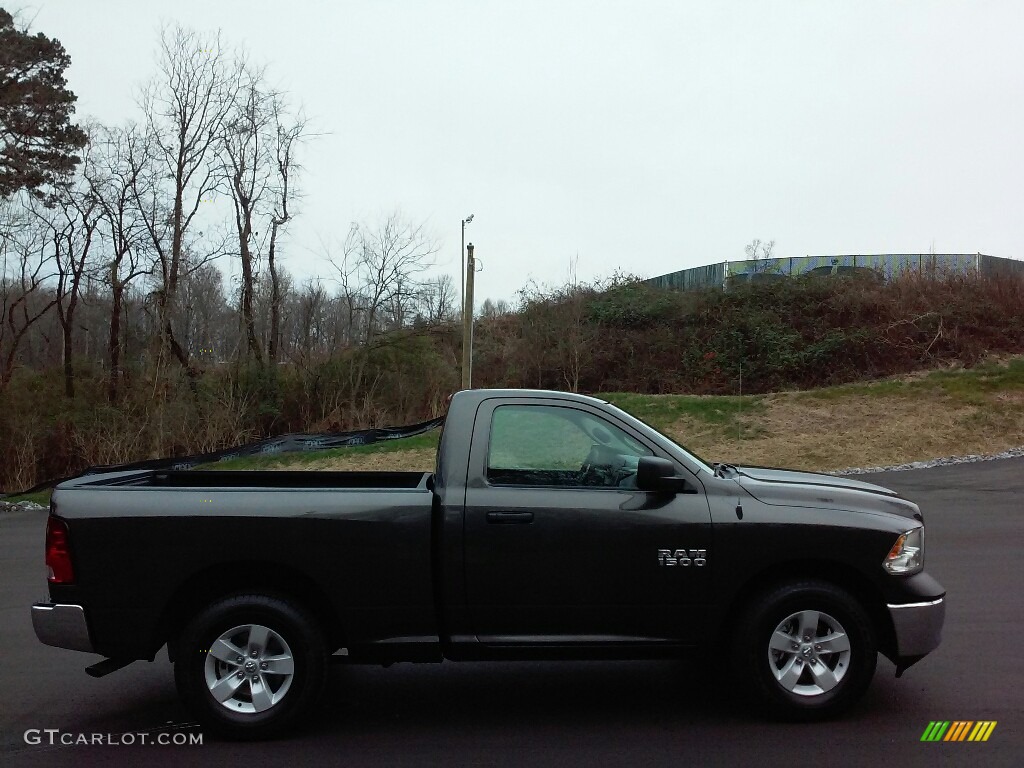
(507, 518)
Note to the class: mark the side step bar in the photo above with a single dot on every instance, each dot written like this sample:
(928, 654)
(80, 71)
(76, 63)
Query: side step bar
(105, 667)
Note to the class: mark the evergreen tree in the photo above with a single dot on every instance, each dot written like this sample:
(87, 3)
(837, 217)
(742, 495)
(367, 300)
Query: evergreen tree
(37, 138)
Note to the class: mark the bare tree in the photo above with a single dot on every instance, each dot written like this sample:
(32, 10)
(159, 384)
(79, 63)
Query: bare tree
(387, 258)
(350, 300)
(71, 224)
(26, 265)
(288, 134)
(401, 304)
(186, 106)
(575, 341)
(438, 297)
(494, 308)
(247, 172)
(760, 254)
(112, 171)
(266, 286)
(258, 147)
(311, 303)
(206, 328)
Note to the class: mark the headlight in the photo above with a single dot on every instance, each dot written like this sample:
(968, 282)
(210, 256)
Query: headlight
(907, 554)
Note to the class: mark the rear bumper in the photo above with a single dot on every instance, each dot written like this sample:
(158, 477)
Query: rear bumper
(918, 626)
(62, 626)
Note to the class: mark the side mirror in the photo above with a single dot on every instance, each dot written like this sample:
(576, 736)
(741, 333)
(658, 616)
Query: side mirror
(655, 474)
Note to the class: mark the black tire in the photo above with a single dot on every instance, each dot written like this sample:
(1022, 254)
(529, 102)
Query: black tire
(805, 680)
(271, 694)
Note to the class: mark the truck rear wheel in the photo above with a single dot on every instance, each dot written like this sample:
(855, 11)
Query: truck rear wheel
(248, 665)
(807, 650)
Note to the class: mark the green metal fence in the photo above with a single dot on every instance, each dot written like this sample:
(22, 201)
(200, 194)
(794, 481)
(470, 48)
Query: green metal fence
(886, 265)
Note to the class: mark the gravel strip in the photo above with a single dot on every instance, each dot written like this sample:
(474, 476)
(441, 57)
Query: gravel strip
(21, 506)
(969, 459)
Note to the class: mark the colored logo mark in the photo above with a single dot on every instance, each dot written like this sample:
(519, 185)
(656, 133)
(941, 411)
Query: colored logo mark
(958, 730)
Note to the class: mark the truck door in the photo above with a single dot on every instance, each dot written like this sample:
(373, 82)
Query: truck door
(561, 547)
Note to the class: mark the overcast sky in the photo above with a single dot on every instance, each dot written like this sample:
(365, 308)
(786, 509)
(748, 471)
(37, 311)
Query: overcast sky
(642, 136)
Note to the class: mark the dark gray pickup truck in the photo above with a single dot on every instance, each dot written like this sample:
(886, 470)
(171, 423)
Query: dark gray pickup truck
(555, 526)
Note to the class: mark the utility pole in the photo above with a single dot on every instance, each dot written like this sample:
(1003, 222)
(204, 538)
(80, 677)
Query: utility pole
(467, 322)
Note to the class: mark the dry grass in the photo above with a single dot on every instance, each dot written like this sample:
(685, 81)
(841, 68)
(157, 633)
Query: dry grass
(416, 460)
(802, 432)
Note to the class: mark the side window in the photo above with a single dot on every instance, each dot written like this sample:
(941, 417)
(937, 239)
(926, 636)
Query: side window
(556, 446)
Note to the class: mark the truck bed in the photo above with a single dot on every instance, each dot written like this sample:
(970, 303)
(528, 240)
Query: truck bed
(357, 543)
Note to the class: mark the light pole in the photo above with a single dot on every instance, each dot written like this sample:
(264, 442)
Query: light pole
(467, 322)
(462, 263)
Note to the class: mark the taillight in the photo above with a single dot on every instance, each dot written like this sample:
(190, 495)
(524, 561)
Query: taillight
(58, 552)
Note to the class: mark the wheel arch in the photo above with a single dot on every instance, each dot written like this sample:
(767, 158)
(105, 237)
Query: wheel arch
(840, 575)
(247, 577)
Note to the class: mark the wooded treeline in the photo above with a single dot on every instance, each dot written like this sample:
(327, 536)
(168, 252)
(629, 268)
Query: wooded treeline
(621, 335)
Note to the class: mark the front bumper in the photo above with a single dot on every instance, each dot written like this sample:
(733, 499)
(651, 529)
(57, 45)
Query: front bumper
(918, 627)
(63, 626)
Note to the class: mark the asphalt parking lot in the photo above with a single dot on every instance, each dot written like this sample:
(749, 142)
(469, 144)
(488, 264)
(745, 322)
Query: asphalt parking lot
(586, 713)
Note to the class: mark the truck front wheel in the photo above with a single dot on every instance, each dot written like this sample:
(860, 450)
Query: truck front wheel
(248, 665)
(807, 649)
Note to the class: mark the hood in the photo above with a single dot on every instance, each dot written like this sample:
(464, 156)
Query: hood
(787, 487)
